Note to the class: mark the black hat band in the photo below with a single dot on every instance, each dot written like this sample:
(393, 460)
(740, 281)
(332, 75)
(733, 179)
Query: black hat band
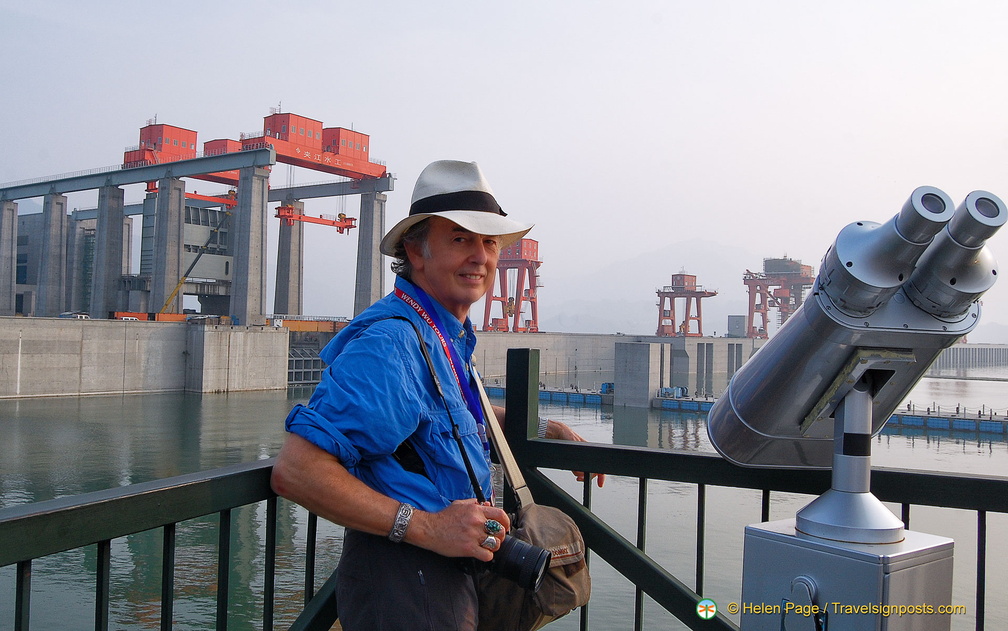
(459, 200)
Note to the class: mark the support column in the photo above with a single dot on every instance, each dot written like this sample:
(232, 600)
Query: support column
(288, 297)
(169, 243)
(147, 222)
(52, 268)
(248, 239)
(108, 255)
(370, 285)
(8, 257)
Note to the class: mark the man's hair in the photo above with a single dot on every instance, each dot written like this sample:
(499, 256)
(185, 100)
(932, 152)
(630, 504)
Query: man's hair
(417, 233)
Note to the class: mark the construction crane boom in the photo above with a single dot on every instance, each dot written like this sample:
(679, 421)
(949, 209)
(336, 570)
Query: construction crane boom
(342, 223)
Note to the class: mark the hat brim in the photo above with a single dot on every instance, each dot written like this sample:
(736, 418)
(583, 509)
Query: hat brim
(480, 222)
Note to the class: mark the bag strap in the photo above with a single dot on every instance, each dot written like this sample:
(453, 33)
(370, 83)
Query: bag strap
(507, 460)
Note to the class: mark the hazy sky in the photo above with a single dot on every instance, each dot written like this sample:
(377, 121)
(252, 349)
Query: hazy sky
(642, 137)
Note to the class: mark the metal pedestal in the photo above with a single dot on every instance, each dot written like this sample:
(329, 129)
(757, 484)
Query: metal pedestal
(795, 582)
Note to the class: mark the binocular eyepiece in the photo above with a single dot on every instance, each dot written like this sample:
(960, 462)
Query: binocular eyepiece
(931, 249)
(958, 267)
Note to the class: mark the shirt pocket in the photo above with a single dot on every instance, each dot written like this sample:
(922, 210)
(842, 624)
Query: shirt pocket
(442, 455)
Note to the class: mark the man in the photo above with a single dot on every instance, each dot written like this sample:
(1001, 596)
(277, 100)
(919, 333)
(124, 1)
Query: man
(375, 449)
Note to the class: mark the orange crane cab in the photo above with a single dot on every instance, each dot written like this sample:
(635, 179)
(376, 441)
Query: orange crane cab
(297, 140)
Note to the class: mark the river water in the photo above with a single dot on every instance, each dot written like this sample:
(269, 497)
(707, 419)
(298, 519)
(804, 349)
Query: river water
(66, 446)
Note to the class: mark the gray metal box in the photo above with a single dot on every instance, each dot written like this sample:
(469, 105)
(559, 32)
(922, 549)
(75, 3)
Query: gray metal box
(877, 587)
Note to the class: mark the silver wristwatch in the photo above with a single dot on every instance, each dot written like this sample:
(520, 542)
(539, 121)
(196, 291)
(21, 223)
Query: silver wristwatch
(402, 520)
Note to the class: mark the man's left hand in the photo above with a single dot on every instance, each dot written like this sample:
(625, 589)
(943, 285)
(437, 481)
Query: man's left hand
(561, 431)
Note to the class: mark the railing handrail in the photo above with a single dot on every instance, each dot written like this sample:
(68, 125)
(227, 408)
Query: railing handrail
(31, 531)
(948, 490)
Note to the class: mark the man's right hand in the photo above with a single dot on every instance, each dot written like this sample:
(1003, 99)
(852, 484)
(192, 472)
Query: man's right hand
(459, 530)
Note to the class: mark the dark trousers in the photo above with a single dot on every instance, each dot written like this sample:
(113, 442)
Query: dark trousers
(385, 586)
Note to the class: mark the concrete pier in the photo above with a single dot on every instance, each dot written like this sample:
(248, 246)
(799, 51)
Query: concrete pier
(108, 252)
(370, 284)
(52, 285)
(169, 241)
(288, 295)
(248, 241)
(8, 257)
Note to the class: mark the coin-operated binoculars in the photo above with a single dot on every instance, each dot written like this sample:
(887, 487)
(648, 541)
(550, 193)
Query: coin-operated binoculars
(887, 300)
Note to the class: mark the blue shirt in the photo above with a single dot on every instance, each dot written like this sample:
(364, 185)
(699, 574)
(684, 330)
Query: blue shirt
(377, 392)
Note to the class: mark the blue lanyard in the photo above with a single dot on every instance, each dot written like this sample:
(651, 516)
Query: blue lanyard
(422, 305)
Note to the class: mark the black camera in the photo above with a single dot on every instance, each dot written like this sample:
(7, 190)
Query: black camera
(521, 562)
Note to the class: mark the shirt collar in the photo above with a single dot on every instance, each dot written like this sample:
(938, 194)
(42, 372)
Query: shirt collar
(457, 332)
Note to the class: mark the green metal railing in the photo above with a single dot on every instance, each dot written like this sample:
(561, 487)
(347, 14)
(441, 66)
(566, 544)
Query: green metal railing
(33, 531)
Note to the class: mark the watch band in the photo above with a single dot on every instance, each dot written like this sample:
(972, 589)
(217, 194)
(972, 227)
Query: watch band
(402, 520)
(543, 424)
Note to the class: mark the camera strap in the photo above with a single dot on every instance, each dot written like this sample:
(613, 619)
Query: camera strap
(455, 429)
(494, 432)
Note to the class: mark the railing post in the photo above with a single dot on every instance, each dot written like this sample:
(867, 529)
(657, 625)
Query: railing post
(310, 545)
(269, 581)
(641, 540)
(102, 570)
(223, 568)
(586, 501)
(981, 571)
(700, 532)
(22, 597)
(168, 577)
(522, 404)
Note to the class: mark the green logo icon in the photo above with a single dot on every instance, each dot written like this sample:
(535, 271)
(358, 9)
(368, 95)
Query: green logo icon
(706, 609)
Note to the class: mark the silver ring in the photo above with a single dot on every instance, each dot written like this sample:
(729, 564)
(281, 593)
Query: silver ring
(490, 543)
(492, 526)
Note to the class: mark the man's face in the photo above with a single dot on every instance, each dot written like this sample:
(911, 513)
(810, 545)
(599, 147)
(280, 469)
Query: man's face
(459, 268)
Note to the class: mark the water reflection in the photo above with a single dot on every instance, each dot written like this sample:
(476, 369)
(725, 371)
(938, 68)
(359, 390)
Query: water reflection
(61, 447)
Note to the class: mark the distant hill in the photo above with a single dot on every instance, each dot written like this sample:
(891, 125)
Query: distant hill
(991, 333)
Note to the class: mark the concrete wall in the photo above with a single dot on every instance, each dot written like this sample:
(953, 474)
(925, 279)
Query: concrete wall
(232, 358)
(565, 359)
(638, 365)
(60, 357)
(637, 373)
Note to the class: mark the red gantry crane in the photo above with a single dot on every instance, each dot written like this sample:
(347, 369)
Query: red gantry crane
(781, 286)
(523, 257)
(684, 286)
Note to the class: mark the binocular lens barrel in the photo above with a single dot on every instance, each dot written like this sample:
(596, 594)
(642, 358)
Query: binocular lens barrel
(958, 267)
(869, 262)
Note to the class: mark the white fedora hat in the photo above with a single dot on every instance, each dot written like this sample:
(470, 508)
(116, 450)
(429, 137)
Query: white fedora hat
(458, 192)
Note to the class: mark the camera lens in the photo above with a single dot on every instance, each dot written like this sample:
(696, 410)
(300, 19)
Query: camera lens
(521, 562)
